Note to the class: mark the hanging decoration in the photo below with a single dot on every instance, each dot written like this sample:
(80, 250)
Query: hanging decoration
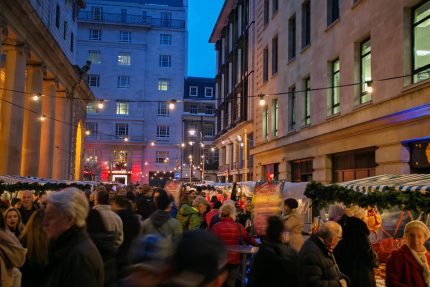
(37, 187)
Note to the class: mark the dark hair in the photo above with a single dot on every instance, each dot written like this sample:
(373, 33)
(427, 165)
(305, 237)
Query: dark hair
(274, 228)
(163, 199)
(214, 198)
(291, 203)
(122, 202)
(103, 197)
(14, 201)
(2, 223)
(41, 193)
(217, 204)
(95, 222)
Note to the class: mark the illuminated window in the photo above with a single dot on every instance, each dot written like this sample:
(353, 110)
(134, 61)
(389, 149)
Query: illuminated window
(162, 157)
(307, 101)
(122, 108)
(365, 70)
(163, 84)
(94, 56)
(91, 108)
(335, 91)
(275, 117)
(421, 43)
(124, 59)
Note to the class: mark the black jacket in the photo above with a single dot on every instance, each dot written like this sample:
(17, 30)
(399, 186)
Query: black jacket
(275, 264)
(74, 261)
(317, 266)
(131, 226)
(145, 205)
(105, 243)
(354, 253)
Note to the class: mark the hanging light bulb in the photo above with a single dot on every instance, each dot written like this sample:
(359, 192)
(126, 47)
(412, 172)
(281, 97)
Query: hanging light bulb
(368, 87)
(42, 118)
(36, 97)
(262, 101)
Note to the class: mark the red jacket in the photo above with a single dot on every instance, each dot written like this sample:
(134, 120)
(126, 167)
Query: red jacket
(209, 216)
(229, 232)
(403, 269)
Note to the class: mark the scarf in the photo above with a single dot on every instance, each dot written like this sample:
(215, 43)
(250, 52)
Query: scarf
(422, 261)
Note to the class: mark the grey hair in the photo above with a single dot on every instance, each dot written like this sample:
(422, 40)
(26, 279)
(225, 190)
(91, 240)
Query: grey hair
(330, 229)
(200, 200)
(72, 202)
(228, 210)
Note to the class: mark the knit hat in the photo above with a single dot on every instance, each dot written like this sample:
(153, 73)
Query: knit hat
(291, 203)
(417, 224)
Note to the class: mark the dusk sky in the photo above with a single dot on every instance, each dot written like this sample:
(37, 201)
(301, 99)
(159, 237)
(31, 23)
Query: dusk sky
(202, 15)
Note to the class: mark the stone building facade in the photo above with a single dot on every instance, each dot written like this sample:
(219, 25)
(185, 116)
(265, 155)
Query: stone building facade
(346, 86)
(42, 91)
(138, 51)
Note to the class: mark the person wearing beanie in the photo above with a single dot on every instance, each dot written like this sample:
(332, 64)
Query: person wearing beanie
(293, 224)
(409, 266)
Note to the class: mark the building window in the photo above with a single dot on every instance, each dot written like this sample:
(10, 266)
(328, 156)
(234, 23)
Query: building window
(306, 24)
(193, 109)
(365, 71)
(209, 109)
(301, 170)
(165, 61)
(275, 117)
(292, 108)
(275, 55)
(275, 6)
(121, 158)
(91, 108)
(163, 84)
(266, 12)
(166, 19)
(162, 111)
(121, 108)
(335, 90)
(209, 92)
(165, 39)
(292, 37)
(95, 34)
(94, 56)
(124, 59)
(208, 131)
(93, 80)
(121, 129)
(307, 101)
(92, 127)
(332, 11)
(421, 43)
(57, 16)
(265, 123)
(65, 28)
(162, 157)
(265, 64)
(125, 36)
(194, 91)
(123, 81)
(72, 41)
(123, 15)
(163, 131)
(97, 13)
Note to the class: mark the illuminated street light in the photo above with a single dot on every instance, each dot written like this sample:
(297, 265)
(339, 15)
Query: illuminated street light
(87, 132)
(262, 101)
(100, 104)
(172, 104)
(192, 132)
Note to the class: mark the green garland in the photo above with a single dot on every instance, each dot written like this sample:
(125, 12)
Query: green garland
(37, 187)
(322, 196)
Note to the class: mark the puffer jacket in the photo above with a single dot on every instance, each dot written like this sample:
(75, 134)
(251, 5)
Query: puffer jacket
(231, 234)
(317, 266)
(188, 217)
(161, 223)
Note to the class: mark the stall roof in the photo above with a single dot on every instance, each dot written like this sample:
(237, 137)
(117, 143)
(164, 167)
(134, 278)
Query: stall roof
(401, 182)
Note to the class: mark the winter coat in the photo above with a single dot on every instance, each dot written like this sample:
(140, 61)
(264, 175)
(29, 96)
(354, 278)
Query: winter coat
(145, 205)
(403, 269)
(105, 243)
(12, 256)
(210, 215)
(275, 264)
(317, 266)
(74, 261)
(112, 222)
(293, 223)
(131, 227)
(231, 234)
(188, 217)
(161, 223)
(26, 213)
(355, 244)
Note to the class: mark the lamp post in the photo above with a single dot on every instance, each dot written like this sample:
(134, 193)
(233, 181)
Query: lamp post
(191, 168)
(192, 133)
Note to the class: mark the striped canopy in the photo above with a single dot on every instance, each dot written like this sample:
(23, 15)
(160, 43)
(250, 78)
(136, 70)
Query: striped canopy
(401, 182)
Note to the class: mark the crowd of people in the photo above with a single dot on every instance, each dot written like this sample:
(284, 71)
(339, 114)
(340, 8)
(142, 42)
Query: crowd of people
(141, 236)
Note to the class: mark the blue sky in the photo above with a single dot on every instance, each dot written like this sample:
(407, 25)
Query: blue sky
(202, 15)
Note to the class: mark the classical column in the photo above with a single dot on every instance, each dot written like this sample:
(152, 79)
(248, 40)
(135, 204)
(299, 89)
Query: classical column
(11, 114)
(47, 130)
(32, 124)
(61, 156)
(245, 156)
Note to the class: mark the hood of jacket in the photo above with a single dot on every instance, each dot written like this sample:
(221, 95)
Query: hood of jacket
(105, 243)
(159, 217)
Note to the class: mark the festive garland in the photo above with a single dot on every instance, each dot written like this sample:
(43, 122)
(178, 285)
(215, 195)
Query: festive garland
(322, 196)
(37, 187)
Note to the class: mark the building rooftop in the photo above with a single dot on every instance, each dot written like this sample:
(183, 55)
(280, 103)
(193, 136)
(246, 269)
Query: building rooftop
(173, 3)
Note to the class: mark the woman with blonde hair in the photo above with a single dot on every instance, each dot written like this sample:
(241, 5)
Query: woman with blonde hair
(13, 221)
(34, 239)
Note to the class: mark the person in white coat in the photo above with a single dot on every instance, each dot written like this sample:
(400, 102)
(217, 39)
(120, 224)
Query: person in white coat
(293, 224)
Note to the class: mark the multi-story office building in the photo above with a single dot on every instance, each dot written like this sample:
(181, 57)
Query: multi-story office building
(234, 36)
(42, 95)
(346, 86)
(199, 158)
(138, 52)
